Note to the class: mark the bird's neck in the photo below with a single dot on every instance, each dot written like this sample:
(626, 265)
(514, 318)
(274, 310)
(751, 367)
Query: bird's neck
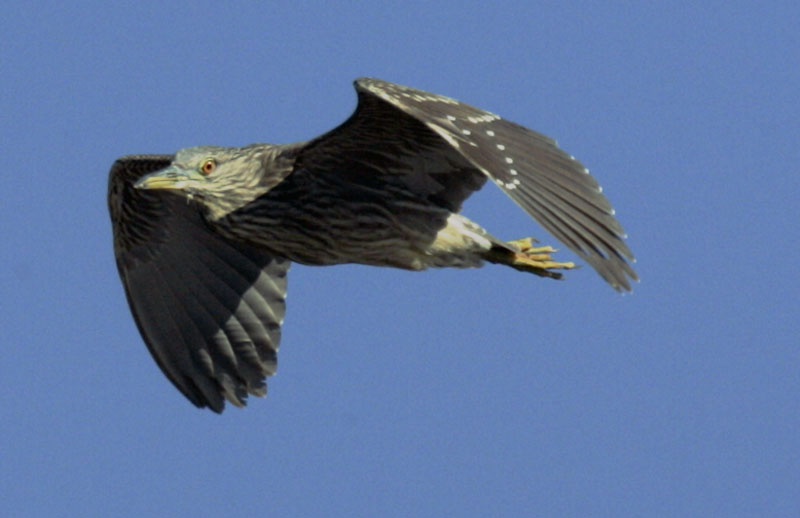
(268, 165)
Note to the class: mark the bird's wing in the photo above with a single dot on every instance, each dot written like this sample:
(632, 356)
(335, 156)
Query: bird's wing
(209, 310)
(381, 145)
(408, 128)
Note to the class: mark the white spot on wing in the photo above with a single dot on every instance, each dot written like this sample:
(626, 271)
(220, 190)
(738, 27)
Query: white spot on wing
(445, 135)
(466, 132)
(513, 172)
(490, 133)
(423, 97)
(501, 147)
(488, 117)
(509, 160)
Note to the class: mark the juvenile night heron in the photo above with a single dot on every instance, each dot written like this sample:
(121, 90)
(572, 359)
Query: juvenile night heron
(203, 239)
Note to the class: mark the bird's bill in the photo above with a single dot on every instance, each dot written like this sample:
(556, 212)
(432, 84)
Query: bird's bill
(172, 177)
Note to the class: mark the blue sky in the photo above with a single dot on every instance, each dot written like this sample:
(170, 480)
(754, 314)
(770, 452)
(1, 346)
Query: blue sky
(448, 392)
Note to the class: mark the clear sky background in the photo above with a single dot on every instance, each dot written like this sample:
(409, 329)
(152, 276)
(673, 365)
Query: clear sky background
(443, 393)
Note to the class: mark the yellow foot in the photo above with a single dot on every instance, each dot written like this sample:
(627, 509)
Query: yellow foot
(536, 260)
(526, 245)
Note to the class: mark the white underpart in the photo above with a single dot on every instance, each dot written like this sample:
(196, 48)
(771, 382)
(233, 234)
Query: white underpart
(460, 235)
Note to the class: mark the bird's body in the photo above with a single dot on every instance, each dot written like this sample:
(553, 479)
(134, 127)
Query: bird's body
(204, 265)
(353, 223)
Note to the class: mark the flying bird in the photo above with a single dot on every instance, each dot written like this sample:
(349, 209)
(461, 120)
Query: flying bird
(204, 238)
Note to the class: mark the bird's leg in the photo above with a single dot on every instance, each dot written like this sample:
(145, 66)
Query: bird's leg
(522, 255)
(526, 245)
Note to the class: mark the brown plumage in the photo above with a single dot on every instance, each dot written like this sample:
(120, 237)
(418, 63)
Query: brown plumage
(204, 238)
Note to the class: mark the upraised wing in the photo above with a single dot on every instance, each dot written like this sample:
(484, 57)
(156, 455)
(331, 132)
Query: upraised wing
(445, 150)
(209, 310)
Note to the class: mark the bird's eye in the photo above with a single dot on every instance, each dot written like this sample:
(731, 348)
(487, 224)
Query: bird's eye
(208, 166)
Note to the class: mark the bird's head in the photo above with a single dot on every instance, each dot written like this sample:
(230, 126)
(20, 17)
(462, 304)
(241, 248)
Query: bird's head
(220, 179)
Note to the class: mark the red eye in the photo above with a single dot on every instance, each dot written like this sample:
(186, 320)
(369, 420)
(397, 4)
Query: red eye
(208, 166)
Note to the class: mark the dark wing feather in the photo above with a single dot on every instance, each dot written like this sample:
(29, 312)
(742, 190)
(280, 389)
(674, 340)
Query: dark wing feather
(381, 146)
(436, 140)
(209, 310)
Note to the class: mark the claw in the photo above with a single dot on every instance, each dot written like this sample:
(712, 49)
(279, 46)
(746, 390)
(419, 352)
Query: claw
(520, 254)
(542, 261)
(536, 260)
(541, 250)
(526, 243)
